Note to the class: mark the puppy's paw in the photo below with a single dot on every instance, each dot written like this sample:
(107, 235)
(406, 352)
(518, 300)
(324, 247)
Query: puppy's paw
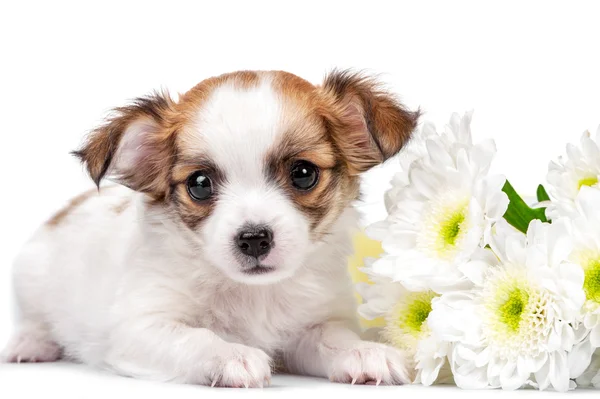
(31, 347)
(240, 366)
(370, 363)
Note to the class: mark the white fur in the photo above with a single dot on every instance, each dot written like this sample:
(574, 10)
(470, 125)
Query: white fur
(137, 293)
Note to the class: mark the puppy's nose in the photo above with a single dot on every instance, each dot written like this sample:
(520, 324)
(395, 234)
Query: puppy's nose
(255, 242)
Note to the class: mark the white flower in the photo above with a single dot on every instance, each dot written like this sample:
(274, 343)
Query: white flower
(442, 214)
(585, 235)
(566, 176)
(456, 133)
(405, 314)
(515, 327)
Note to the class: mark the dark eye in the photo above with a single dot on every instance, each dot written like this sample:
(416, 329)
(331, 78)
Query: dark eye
(304, 175)
(199, 186)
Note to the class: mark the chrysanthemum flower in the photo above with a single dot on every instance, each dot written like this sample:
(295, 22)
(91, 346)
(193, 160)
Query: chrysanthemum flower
(516, 326)
(566, 176)
(585, 235)
(442, 215)
(405, 314)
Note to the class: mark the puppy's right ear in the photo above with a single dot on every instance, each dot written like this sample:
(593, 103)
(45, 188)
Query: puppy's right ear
(134, 147)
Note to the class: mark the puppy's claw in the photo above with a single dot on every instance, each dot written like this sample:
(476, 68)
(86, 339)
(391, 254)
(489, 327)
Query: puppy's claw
(18, 359)
(378, 382)
(212, 385)
(268, 381)
(353, 381)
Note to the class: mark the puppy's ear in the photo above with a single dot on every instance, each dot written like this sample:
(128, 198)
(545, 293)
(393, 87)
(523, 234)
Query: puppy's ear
(371, 125)
(134, 147)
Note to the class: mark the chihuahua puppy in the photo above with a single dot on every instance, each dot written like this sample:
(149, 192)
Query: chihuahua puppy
(223, 249)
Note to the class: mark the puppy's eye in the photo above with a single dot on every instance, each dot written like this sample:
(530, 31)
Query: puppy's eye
(199, 186)
(304, 175)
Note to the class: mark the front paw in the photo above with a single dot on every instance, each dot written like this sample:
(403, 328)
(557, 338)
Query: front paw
(240, 366)
(370, 363)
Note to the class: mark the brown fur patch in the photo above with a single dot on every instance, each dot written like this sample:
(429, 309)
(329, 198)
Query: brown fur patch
(193, 99)
(369, 124)
(309, 138)
(61, 215)
(194, 212)
(156, 113)
(191, 212)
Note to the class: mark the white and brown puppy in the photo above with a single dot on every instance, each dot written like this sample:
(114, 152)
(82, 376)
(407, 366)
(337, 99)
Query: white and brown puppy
(225, 245)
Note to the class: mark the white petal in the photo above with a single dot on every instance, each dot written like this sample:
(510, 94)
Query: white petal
(595, 336)
(516, 252)
(497, 205)
(495, 367)
(573, 152)
(589, 148)
(476, 379)
(475, 271)
(559, 371)
(429, 375)
(559, 241)
(385, 267)
(482, 357)
(424, 182)
(464, 129)
(439, 154)
(588, 200)
(488, 147)
(537, 362)
(542, 376)
(554, 340)
(580, 358)
(567, 337)
(510, 378)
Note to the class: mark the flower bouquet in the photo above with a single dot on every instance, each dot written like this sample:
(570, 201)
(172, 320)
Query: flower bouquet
(478, 286)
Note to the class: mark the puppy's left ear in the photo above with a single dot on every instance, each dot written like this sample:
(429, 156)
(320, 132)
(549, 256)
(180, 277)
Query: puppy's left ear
(370, 125)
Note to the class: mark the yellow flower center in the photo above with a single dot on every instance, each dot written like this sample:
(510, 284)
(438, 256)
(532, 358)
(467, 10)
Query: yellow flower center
(450, 228)
(591, 283)
(406, 322)
(445, 224)
(511, 310)
(587, 181)
(589, 260)
(514, 312)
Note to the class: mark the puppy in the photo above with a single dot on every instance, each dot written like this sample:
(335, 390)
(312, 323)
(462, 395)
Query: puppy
(223, 248)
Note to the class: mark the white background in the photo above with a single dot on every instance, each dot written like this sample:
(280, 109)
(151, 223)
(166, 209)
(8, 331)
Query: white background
(531, 71)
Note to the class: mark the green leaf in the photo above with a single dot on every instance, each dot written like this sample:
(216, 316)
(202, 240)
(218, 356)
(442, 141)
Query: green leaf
(541, 193)
(519, 214)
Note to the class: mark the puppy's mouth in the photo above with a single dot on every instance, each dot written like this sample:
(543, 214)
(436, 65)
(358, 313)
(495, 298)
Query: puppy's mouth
(258, 270)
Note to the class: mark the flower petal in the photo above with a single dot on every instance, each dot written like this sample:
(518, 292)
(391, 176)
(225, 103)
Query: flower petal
(579, 358)
(559, 371)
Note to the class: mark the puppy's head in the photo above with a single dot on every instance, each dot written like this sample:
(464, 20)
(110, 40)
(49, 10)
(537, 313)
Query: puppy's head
(258, 166)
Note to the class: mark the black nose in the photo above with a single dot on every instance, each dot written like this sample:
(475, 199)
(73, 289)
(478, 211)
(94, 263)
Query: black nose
(255, 242)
